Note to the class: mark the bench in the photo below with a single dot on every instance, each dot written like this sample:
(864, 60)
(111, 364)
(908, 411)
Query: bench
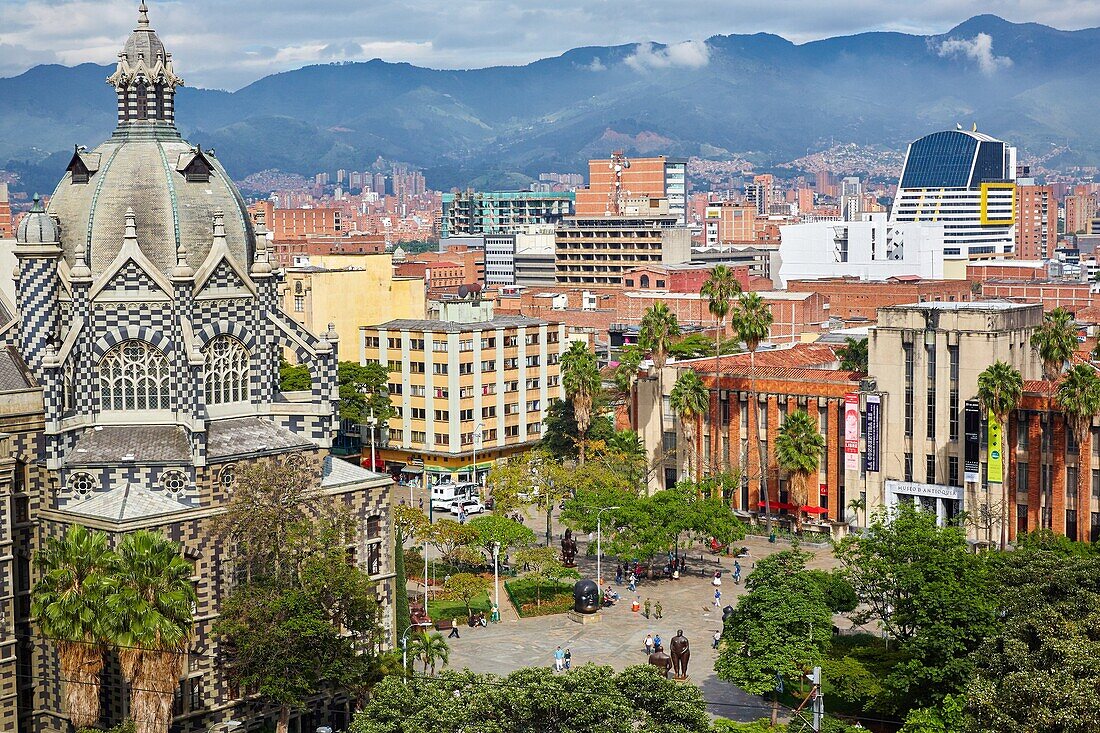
(444, 624)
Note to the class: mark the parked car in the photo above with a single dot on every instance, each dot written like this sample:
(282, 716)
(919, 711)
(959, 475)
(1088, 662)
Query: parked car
(467, 506)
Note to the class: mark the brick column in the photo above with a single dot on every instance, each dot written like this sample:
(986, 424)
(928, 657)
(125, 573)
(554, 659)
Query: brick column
(715, 421)
(769, 436)
(1010, 479)
(1084, 488)
(754, 457)
(832, 477)
(1034, 490)
(734, 432)
(1058, 480)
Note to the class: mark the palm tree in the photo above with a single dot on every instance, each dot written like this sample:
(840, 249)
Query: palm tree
(1000, 387)
(1078, 396)
(628, 445)
(689, 400)
(656, 333)
(753, 321)
(853, 355)
(720, 289)
(67, 603)
(580, 375)
(431, 649)
(151, 607)
(798, 449)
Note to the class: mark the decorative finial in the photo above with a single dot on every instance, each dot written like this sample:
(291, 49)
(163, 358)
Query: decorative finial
(80, 271)
(131, 225)
(37, 208)
(219, 225)
(261, 265)
(143, 15)
(182, 270)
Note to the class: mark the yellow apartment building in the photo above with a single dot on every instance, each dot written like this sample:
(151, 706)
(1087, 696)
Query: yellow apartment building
(463, 387)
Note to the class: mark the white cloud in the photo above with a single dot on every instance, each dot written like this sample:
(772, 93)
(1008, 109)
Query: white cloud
(688, 54)
(596, 65)
(979, 49)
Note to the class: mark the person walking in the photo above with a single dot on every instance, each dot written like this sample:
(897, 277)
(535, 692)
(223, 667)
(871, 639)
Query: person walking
(717, 597)
(657, 643)
(633, 582)
(454, 629)
(646, 608)
(422, 503)
(648, 644)
(736, 573)
(568, 659)
(717, 638)
(618, 574)
(559, 659)
(657, 610)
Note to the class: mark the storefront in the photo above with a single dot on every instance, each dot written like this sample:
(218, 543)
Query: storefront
(945, 501)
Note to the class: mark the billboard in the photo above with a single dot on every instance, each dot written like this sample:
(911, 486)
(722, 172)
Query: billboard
(851, 432)
(995, 450)
(972, 424)
(871, 433)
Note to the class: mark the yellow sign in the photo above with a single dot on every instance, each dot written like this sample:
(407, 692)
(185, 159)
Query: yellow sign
(996, 470)
(988, 220)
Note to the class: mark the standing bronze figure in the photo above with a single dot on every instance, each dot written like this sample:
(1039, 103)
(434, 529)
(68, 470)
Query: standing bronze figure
(569, 550)
(681, 653)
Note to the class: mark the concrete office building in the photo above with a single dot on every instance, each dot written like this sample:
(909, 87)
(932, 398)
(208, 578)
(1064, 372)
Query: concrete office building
(598, 251)
(966, 181)
(531, 249)
(618, 183)
(502, 212)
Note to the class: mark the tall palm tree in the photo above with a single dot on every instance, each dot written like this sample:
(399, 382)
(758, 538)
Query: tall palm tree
(151, 607)
(689, 400)
(68, 603)
(1078, 396)
(753, 322)
(1000, 387)
(628, 445)
(853, 355)
(720, 290)
(656, 333)
(431, 649)
(798, 450)
(580, 375)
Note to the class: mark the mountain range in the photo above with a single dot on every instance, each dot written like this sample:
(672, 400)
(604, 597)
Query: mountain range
(757, 96)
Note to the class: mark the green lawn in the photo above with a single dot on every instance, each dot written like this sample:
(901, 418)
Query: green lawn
(551, 598)
(449, 608)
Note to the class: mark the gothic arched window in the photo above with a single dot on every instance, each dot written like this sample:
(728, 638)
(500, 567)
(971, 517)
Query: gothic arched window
(134, 376)
(226, 371)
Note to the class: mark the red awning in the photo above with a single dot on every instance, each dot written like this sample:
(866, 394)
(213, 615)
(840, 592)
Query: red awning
(776, 505)
(815, 510)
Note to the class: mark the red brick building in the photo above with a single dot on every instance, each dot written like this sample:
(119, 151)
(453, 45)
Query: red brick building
(471, 263)
(286, 224)
(437, 274)
(285, 251)
(1052, 294)
(854, 299)
(1036, 222)
(1008, 270)
(7, 228)
(677, 278)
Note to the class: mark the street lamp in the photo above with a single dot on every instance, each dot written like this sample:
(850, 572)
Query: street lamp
(599, 546)
(405, 646)
(477, 432)
(496, 582)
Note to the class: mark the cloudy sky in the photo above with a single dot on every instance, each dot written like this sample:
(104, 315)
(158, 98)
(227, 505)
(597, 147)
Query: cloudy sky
(229, 43)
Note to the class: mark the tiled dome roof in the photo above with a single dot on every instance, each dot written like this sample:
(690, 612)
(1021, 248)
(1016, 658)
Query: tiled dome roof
(37, 227)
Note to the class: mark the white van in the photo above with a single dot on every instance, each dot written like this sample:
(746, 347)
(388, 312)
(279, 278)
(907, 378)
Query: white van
(443, 495)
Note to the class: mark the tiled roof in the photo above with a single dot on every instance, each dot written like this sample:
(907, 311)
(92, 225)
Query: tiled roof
(243, 435)
(143, 443)
(126, 503)
(793, 374)
(13, 372)
(798, 355)
(338, 472)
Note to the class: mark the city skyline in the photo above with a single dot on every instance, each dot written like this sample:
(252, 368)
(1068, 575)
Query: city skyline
(224, 46)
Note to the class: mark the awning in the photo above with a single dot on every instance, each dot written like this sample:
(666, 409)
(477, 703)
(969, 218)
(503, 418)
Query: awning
(776, 505)
(412, 469)
(815, 510)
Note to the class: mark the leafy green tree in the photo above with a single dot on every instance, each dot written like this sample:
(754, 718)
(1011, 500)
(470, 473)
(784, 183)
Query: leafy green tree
(580, 377)
(68, 605)
(410, 523)
(692, 346)
(798, 450)
(535, 478)
(626, 454)
(363, 387)
(657, 331)
(401, 613)
(561, 436)
(779, 628)
(496, 528)
(447, 536)
(464, 587)
(150, 604)
(430, 648)
(1078, 395)
(853, 355)
(546, 567)
(921, 584)
(1055, 342)
(690, 400)
(1000, 388)
(753, 321)
(294, 377)
(626, 373)
(948, 717)
(839, 594)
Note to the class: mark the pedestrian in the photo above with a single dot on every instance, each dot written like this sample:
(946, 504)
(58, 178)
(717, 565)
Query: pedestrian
(559, 659)
(657, 610)
(422, 503)
(717, 638)
(568, 659)
(461, 517)
(657, 643)
(648, 643)
(717, 579)
(618, 574)
(736, 572)
(717, 597)
(646, 607)
(633, 582)
(454, 629)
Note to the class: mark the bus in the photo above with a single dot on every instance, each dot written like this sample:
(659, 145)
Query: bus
(443, 495)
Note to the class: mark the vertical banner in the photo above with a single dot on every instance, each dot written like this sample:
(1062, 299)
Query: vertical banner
(851, 432)
(871, 434)
(995, 451)
(972, 425)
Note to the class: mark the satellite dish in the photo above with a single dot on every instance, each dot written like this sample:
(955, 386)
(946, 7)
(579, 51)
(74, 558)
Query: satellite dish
(463, 291)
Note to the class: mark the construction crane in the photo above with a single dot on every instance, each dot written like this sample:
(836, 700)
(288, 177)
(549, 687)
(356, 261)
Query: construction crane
(617, 165)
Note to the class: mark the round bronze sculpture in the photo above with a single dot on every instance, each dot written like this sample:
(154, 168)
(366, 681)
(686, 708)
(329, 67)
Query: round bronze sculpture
(586, 596)
(681, 653)
(569, 550)
(660, 660)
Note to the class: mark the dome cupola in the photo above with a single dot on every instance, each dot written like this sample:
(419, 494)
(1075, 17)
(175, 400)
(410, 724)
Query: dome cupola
(144, 79)
(38, 227)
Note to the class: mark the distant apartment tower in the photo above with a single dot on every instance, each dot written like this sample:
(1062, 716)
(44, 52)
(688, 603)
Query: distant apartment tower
(356, 180)
(851, 198)
(379, 185)
(598, 251)
(964, 180)
(502, 212)
(727, 222)
(341, 176)
(615, 180)
(1036, 221)
(1080, 209)
(761, 193)
(5, 213)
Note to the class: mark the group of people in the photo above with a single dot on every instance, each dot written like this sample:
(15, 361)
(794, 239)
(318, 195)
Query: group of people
(563, 659)
(652, 643)
(657, 610)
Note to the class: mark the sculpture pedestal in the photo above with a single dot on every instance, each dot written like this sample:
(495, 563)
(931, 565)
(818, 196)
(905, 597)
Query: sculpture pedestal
(584, 618)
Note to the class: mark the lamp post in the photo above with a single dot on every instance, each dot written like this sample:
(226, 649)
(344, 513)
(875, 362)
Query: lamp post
(496, 582)
(599, 546)
(405, 647)
(477, 432)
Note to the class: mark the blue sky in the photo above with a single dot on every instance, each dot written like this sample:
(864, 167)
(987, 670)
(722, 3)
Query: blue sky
(229, 43)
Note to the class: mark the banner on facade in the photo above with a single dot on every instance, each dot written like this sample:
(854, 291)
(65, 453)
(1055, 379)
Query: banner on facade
(972, 425)
(851, 432)
(871, 433)
(996, 474)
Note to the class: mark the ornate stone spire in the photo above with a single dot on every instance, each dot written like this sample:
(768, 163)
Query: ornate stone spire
(261, 265)
(144, 78)
(143, 15)
(80, 272)
(182, 270)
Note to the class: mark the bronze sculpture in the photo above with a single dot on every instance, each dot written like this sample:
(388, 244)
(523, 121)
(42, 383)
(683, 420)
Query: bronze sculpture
(681, 653)
(586, 596)
(569, 550)
(660, 660)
